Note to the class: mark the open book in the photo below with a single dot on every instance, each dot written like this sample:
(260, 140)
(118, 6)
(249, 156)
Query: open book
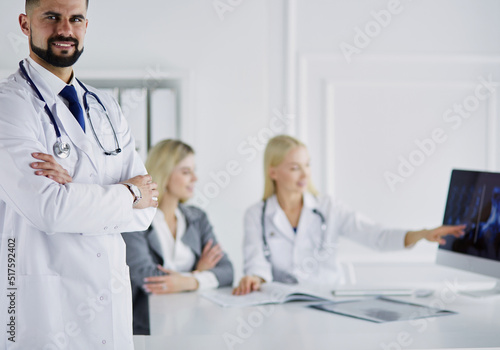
(269, 293)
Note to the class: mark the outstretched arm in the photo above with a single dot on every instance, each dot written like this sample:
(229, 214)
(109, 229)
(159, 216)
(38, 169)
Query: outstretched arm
(434, 235)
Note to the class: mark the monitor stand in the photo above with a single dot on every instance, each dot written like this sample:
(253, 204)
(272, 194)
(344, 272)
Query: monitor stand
(485, 292)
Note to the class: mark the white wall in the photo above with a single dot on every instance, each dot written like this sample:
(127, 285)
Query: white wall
(271, 54)
(361, 112)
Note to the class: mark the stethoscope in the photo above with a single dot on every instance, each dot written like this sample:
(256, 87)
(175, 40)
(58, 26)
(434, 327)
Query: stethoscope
(63, 149)
(267, 249)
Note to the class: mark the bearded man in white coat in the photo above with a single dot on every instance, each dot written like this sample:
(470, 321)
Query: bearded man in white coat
(63, 276)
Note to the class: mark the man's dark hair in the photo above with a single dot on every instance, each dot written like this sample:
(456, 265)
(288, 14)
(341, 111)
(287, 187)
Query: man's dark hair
(30, 4)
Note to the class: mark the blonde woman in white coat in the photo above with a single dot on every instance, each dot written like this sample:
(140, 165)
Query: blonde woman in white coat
(291, 235)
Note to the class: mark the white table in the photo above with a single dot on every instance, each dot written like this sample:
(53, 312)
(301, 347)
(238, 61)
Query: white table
(188, 321)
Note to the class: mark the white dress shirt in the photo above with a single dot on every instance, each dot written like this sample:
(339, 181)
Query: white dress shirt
(178, 256)
(56, 85)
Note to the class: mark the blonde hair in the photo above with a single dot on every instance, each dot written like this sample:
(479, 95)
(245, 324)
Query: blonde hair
(276, 150)
(163, 158)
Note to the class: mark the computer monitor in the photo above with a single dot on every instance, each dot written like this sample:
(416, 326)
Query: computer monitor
(474, 200)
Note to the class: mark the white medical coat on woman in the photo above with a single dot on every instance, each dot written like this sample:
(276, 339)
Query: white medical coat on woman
(73, 288)
(309, 255)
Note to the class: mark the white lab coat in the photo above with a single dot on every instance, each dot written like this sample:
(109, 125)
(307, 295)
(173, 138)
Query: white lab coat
(301, 254)
(73, 288)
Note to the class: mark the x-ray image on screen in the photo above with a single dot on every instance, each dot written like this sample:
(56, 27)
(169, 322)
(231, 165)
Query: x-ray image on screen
(474, 200)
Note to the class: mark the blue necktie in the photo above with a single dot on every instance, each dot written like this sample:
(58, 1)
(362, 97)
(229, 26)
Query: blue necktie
(69, 93)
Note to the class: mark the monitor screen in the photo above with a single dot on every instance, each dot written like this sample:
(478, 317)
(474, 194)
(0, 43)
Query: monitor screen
(474, 200)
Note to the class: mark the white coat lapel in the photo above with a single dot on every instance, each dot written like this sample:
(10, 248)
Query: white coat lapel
(279, 220)
(67, 123)
(307, 217)
(73, 129)
(69, 126)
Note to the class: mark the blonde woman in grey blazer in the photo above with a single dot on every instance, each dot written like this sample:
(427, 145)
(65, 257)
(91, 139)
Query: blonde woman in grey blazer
(179, 251)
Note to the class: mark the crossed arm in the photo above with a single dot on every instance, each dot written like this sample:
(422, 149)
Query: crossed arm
(172, 281)
(47, 166)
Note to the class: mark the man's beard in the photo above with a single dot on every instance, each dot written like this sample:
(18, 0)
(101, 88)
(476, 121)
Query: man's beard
(57, 61)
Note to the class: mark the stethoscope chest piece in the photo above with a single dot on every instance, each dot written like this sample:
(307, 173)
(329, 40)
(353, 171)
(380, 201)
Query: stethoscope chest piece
(61, 149)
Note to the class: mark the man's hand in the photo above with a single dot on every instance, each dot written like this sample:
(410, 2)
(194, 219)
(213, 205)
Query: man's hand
(50, 168)
(148, 189)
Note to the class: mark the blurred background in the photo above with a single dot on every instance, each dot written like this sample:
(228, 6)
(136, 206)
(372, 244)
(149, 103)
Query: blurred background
(389, 96)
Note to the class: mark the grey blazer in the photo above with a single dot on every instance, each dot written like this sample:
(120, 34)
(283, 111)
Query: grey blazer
(144, 254)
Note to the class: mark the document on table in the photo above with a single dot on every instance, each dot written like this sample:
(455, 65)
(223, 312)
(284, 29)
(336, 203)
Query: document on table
(270, 293)
(381, 310)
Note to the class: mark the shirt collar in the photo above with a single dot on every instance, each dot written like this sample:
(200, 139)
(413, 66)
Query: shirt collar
(191, 214)
(54, 83)
(310, 202)
(181, 223)
(161, 225)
